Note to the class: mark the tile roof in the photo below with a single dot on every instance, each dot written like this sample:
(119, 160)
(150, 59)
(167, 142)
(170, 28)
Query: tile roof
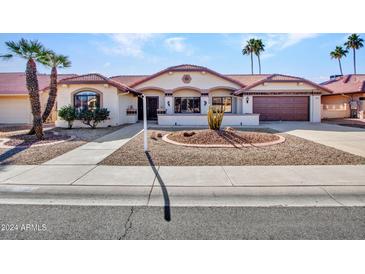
(346, 84)
(96, 78)
(14, 83)
(280, 78)
(186, 67)
(128, 79)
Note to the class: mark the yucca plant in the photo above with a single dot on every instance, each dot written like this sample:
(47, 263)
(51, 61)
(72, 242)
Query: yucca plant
(215, 117)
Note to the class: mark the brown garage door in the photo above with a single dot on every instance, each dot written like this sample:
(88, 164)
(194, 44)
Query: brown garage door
(282, 108)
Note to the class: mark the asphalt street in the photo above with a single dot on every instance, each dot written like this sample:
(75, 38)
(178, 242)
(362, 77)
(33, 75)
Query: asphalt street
(113, 222)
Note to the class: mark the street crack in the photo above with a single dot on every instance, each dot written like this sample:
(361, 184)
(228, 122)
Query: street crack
(127, 225)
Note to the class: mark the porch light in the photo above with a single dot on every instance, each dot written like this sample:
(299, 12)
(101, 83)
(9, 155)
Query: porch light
(247, 99)
(205, 102)
(168, 103)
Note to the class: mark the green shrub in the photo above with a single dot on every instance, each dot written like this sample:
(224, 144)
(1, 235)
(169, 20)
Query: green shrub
(68, 113)
(93, 117)
(215, 117)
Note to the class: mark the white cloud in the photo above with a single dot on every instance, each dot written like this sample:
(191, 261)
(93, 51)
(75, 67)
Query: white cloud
(128, 44)
(107, 64)
(277, 42)
(178, 44)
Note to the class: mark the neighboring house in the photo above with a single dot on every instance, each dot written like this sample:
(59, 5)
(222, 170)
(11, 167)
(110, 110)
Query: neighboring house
(347, 90)
(181, 95)
(14, 98)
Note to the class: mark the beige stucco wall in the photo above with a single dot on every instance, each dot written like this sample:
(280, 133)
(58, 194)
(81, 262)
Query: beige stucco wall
(186, 93)
(125, 102)
(284, 86)
(335, 106)
(16, 108)
(109, 99)
(198, 79)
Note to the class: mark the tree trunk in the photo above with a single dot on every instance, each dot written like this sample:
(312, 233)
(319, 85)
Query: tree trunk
(258, 59)
(354, 61)
(51, 98)
(251, 63)
(33, 90)
(339, 62)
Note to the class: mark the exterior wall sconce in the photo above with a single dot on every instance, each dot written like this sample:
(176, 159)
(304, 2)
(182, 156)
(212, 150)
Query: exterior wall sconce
(168, 103)
(247, 99)
(205, 103)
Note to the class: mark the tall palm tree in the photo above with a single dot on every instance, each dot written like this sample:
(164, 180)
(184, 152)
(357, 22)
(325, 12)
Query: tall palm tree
(54, 61)
(338, 53)
(354, 42)
(249, 50)
(259, 47)
(32, 51)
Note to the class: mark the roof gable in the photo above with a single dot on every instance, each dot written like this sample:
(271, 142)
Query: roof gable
(95, 78)
(186, 68)
(281, 78)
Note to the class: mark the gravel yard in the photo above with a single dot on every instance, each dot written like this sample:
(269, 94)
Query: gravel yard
(294, 151)
(41, 154)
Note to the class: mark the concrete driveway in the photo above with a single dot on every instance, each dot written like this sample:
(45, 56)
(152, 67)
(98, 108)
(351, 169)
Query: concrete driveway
(348, 139)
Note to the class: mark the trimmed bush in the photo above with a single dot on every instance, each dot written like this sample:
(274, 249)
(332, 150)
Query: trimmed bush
(93, 117)
(68, 113)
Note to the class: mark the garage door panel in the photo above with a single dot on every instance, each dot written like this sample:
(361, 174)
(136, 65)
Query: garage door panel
(14, 110)
(284, 108)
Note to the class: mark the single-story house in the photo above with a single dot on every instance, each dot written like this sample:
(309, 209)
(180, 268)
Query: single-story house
(14, 98)
(348, 91)
(181, 95)
(178, 95)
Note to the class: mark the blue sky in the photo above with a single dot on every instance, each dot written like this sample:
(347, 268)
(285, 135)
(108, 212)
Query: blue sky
(305, 55)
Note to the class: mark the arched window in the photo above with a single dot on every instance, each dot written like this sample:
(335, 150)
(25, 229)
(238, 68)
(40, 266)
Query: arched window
(86, 100)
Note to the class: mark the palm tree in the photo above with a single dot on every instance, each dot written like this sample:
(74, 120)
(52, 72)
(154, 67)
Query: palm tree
(249, 50)
(33, 52)
(259, 47)
(53, 61)
(354, 42)
(338, 53)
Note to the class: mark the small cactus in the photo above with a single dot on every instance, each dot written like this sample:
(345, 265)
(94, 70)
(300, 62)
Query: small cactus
(215, 117)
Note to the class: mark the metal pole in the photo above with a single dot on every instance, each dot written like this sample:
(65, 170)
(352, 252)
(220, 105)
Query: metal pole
(145, 123)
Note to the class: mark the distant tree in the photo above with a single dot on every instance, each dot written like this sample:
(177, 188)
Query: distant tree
(249, 50)
(354, 42)
(258, 48)
(32, 51)
(338, 54)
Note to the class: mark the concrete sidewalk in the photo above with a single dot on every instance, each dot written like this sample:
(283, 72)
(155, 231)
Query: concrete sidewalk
(97, 150)
(348, 139)
(185, 186)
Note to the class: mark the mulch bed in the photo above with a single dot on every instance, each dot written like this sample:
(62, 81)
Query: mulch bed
(31, 140)
(221, 137)
(294, 151)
